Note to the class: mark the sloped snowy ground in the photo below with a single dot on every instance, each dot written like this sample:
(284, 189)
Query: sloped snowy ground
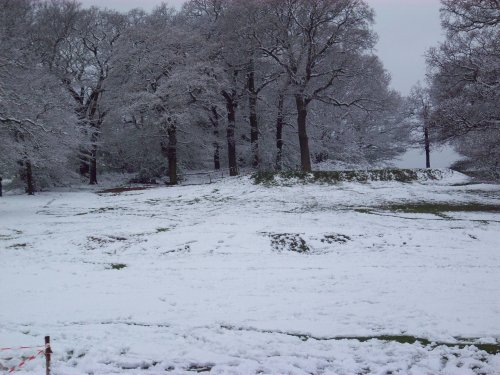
(199, 278)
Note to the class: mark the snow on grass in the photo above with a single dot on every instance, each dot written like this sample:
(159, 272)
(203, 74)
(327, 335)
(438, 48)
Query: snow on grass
(204, 278)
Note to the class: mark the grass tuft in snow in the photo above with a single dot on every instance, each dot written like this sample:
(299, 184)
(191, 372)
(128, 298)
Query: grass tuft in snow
(106, 239)
(163, 230)
(335, 238)
(199, 368)
(288, 242)
(18, 246)
(101, 210)
(117, 266)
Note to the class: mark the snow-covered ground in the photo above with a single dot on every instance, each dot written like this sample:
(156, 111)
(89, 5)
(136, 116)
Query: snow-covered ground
(199, 278)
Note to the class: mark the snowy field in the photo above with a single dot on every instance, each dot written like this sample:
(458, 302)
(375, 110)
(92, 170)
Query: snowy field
(396, 279)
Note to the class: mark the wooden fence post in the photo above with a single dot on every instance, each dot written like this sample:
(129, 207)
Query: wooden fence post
(48, 352)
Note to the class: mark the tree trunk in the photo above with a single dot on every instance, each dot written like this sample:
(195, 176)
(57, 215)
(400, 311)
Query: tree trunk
(84, 152)
(231, 138)
(84, 163)
(279, 133)
(30, 186)
(172, 154)
(427, 148)
(92, 161)
(215, 123)
(216, 156)
(95, 121)
(305, 156)
(81, 113)
(254, 125)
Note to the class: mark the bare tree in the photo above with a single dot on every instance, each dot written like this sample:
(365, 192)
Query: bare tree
(37, 128)
(419, 111)
(315, 42)
(465, 76)
(77, 45)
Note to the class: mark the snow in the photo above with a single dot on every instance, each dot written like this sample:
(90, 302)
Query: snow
(203, 289)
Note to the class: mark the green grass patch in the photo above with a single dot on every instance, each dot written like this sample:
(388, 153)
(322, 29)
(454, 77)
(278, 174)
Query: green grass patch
(334, 177)
(117, 266)
(438, 208)
(163, 230)
(363, 210)
(406, 339)
(461, 342)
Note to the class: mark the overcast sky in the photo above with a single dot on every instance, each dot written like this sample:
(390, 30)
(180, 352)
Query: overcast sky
(406, 29)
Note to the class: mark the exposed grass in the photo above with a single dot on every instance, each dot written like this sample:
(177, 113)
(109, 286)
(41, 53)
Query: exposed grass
(117, 266)
(405, 339)
(106, 239)
(438, 208)
(401, 339)
(333, 177)
(335, 238)
(18, 246)
(363, 210)
(163, 230)
(288, 242)
(469, 183)
(8, 237)
(101, 210)
(200, 368)
(178, 250)
(120, 190)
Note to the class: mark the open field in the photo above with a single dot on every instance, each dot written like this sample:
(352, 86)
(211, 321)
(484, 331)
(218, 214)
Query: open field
(237, 278)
